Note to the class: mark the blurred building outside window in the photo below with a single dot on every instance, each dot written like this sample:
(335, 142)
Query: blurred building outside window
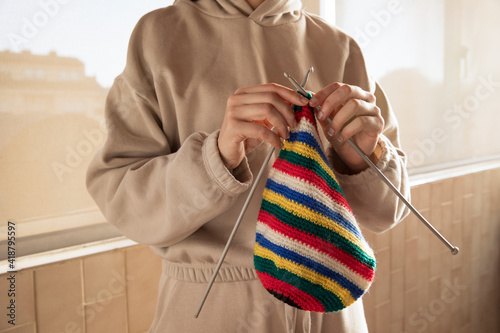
(57, 62)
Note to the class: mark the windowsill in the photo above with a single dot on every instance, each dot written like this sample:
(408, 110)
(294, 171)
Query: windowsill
(67, 253)
(423, 177)
(444, 171)
(55, 223)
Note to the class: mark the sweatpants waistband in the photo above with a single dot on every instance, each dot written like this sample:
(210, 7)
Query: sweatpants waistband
(203, 274)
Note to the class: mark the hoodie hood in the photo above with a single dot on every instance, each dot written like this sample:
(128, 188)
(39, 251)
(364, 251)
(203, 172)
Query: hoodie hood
(270, 12)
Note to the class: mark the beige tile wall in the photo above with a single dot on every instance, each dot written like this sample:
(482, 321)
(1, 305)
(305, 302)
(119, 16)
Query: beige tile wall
(419, 285)
(109, 292)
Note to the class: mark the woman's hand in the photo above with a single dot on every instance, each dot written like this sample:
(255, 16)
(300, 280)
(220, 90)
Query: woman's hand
(251, 114)
(354, 115)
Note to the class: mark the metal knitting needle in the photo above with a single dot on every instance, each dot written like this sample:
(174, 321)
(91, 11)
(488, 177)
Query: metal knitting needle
(306, 77)
(242, 213)
(454, 250)
(235, 228)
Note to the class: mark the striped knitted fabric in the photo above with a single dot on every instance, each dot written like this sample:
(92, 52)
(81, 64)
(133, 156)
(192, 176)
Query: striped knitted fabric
(309, 251)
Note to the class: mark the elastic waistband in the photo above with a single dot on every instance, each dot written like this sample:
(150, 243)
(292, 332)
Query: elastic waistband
(203, 274)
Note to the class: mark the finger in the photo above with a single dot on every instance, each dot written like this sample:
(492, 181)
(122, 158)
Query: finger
(364, 124)
(339, 96)
(264, 115)
(340, 89)
(320, 96)
(342, 96)
(285, 93)
(353, 108)
(256, 131)
(261, 98)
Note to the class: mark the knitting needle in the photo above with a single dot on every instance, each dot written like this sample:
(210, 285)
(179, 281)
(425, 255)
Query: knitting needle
(306, 77)
(454, 250)
(242, 213)
(235, 228)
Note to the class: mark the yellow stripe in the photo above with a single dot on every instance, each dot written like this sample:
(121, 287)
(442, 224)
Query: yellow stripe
(307, 151)
(306, 273)
(315, 217)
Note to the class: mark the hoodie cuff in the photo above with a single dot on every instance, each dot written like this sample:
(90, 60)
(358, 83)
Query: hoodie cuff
(231, 182)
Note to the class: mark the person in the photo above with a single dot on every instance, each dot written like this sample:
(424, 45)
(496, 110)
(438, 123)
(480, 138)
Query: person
(190, 121)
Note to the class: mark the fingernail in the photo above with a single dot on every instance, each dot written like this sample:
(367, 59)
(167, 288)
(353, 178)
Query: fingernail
(340, 138)
(304, 100)
(313, 101)
(320, 115)
(331, 132)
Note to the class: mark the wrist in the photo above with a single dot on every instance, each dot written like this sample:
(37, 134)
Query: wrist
(229, 163)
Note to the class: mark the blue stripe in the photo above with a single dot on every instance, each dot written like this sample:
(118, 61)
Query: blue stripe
(313, 204)
(355, 291)
(308, 139)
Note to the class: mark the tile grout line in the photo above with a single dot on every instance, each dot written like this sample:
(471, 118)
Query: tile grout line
(82, 275)
(34, 299)
(126, 290)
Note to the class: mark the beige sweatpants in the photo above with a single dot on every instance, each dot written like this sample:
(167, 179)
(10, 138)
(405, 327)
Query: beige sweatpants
(238, 303)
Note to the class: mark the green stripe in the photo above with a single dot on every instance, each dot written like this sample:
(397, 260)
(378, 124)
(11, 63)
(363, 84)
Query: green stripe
(328, 299)
(311, 164)
(319, 231)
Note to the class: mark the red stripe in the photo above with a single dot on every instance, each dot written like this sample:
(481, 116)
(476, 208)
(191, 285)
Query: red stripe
(311, 177)
(301, 298)
(306, 113)
(318, 244)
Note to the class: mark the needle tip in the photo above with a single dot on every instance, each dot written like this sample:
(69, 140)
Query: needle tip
(286, 75)
(455, 250)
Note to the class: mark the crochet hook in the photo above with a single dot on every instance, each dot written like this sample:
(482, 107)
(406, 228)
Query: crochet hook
(454, 249)
(240, 217)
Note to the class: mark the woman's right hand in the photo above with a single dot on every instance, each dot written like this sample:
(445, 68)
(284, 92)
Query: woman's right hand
(251, 114)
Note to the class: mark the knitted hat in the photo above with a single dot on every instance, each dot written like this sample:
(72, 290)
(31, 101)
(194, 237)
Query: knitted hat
(309, 250)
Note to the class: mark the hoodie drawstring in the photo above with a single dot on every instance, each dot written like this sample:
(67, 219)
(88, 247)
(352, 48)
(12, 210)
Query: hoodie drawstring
(291, 319)
(306, 322)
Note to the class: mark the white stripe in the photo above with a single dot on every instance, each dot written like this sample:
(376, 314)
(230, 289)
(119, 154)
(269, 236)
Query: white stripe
(309, 189)
(306, 126)
(300, 185)
(311, 253)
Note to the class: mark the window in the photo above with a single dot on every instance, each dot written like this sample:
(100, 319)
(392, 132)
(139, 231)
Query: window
(437, 61)
(58, 60)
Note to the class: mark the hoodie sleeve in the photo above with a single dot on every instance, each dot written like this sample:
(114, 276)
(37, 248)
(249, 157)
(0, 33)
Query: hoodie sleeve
(152, 192)
(375, 206)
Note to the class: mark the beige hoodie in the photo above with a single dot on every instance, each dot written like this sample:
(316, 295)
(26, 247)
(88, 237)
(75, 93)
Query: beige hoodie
(159, 177)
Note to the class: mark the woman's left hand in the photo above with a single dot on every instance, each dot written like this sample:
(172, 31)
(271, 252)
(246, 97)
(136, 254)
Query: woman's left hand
(354, 115)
